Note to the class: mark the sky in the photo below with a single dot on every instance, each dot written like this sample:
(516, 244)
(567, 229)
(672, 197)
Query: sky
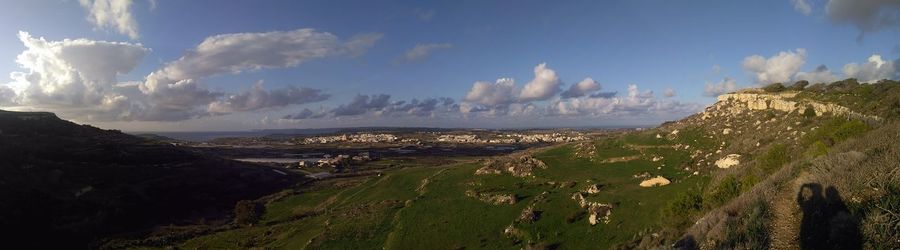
(164, 65)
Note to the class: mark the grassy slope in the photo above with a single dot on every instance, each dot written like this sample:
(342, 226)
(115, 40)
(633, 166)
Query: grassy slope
(397, 211)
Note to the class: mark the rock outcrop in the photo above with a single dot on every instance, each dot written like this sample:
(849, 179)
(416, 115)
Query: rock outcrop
(728, 161)
(496, 199)
(655, 181)
(785, 102)
(520, 166)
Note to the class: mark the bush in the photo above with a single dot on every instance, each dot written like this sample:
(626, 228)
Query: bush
(818, 148)
(727, 189)
(809, 112)
(799, 85)
(750, 231)
(247, 212)
(836, 130)
(679, 210)
(773, 88)
(774, 158)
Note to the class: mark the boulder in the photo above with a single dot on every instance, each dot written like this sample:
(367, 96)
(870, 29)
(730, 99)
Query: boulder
(655, 181)
(728, 161)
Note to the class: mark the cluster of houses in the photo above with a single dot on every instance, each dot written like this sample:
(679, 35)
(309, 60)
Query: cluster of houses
(511, 138)
(358, 138)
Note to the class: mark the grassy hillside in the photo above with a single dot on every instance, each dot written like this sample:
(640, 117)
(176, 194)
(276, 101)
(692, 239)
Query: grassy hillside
(77, 184)
(738, 178)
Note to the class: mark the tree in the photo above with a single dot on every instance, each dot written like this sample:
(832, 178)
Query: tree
(800, 85)
(773, 88)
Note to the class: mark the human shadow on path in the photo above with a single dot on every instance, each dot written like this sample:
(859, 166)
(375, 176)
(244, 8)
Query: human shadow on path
(826, 224)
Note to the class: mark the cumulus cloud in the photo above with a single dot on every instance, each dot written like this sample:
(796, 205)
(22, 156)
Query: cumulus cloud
(778, 68)
(112, 14)
(872, 71)
(866, 15)
(71, 73)
(583, 88)
(820, 75)
(258, 98)
(422, 51)
(724, 86)
(178, 84)
(7, 95)
(636, 103)
(544, 85)
(802, 6)
(500, 93)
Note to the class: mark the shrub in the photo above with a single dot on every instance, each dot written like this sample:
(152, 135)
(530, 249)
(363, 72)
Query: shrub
(680, 209)
(247, 212)
(836, 130)
(809, 112)
(773, 88)
(774, 158)
(727, 189)
(817, 148)
(799, 85)
(749, 231)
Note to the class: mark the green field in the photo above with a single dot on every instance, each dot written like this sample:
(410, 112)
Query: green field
(427, 206)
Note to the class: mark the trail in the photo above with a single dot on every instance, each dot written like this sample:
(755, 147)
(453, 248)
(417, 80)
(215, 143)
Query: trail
(786, 216)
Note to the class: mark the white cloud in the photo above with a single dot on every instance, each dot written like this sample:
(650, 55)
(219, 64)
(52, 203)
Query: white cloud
(112, 14)
(7, 95)
(544, 85)
(422, 51)
(500, 93)
(636, 103)
(724, 86)
(872, 71)
(258, 98)
(669, 92)
(802, 6)
(778, 68)
(820, 75)
(583, 88)
(177, 84)
(71, 73)
(866, 15)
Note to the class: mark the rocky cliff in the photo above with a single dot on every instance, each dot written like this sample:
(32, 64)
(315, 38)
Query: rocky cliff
(738, 102)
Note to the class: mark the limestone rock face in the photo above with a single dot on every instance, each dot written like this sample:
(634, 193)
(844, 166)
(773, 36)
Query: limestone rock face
(655, 181)
(766, 101)
(728, 161)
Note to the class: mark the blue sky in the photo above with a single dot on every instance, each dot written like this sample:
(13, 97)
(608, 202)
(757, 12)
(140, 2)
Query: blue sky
(668, 47)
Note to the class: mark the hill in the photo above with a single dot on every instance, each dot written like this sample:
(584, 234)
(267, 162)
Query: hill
(787, 167)
(811, 167)
(76, 184)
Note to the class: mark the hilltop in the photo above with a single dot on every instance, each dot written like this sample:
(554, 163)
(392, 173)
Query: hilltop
(78, 184)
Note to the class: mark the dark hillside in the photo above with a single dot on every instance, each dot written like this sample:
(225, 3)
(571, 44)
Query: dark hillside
(68, 185)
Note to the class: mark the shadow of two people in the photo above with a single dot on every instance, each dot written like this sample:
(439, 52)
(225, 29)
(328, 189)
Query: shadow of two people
(826, 223)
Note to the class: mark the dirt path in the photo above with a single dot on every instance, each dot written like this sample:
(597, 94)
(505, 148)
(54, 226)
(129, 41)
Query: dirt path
(785, 227)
